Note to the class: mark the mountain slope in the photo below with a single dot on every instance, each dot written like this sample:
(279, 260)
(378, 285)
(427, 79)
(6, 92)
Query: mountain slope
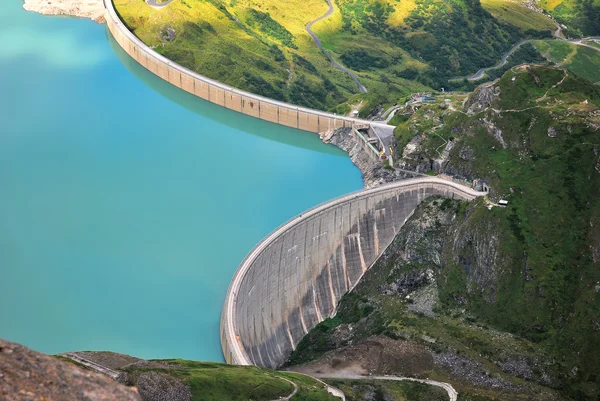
(582, 17)
(502, 303)
(394, 47)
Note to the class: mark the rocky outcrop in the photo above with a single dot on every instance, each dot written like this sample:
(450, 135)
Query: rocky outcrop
(374, 172)
(482, 98)
(26, 375)
(153, 382)
(92, 9)
(156, 386)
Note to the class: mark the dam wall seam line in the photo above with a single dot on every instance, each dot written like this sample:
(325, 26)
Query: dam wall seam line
(232, 348)
(293, 116)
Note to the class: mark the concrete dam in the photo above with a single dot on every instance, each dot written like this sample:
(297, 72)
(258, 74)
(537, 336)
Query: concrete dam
(221, 94)
(294, 278)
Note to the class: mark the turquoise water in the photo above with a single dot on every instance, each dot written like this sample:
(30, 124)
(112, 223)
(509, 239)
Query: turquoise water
(125, 204)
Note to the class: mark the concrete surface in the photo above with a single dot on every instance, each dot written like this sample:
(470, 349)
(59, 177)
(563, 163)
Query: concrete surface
(294, 278)
(219, 93)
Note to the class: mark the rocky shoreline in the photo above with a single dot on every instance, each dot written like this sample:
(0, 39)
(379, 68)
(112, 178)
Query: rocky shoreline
(374, 173)
(92, 9)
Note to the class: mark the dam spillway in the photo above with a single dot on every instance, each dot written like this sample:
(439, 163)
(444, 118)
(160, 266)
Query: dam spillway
(294, 278)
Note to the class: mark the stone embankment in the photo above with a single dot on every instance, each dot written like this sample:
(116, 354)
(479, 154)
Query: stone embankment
(92, 9)
(294, 278)
(30, 375)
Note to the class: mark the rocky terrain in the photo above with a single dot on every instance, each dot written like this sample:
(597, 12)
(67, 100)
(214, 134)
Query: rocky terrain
(93, 9)
(374, 172)
(503, 303)
(26, 375)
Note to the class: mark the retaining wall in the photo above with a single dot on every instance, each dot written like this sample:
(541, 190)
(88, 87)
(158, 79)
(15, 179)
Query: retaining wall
(294, 278)
(365, 145)
(218, 93)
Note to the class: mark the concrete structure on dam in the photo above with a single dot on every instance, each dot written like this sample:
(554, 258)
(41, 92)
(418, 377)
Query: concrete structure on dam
(219, 93)
(294, 278)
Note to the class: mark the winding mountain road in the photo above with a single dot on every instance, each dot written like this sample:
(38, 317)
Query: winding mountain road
(156, 4)
(480, 74)
(325, 53)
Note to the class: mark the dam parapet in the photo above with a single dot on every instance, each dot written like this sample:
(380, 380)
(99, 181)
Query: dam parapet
(295, 277)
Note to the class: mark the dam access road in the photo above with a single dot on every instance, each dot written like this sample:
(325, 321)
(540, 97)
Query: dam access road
(317, 41)
(294, 278)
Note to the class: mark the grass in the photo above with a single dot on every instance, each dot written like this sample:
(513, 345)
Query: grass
(533, 297)
(581, 60)
(514, 13)
(221, 382)
(580, 16)
(256, 44)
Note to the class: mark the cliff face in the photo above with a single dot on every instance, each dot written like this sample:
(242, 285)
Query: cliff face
(374, 173)
(496, 300)
(28, 375)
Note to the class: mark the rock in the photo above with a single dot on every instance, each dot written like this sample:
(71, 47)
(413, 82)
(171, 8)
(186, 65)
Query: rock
(92, 9)
(552, 132)
(467, 153)
(408, 282)
(167, 33)
(155, 386)
(374, 173)
(482, 98)
(471, 370)
(29, 375)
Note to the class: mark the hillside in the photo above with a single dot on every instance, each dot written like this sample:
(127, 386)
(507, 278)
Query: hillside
(181, 380)
(394, 47)
(582, 17)
(504, 303)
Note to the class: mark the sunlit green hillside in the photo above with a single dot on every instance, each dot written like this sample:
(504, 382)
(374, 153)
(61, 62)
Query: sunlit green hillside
(395, 47)
(581, 17)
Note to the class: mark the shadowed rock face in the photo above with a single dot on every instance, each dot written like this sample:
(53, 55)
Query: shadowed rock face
(26, 375)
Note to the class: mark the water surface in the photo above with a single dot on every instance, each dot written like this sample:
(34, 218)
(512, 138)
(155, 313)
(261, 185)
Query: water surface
(126, 204)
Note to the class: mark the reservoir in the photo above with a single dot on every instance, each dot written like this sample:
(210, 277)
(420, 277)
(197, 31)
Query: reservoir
(126, 205)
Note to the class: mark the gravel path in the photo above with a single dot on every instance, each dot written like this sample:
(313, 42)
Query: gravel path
(452, 393)
(320, 46)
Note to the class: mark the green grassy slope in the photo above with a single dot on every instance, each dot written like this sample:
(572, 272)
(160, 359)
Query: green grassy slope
(395, 47)
(581, 60)
(513, 284)
(209, 381)
(582, 17)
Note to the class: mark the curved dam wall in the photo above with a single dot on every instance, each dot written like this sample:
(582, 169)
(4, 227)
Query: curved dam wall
(294, 278)
(218, 93)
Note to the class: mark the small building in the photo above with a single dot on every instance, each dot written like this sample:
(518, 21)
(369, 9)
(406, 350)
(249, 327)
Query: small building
(422, 98)
(503, 202)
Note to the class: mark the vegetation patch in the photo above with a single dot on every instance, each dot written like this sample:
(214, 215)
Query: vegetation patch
(207, 381)
(394, 47)
(513, 290)
(359, 390)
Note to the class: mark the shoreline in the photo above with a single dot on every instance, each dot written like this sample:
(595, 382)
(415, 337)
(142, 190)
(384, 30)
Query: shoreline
(332, 128)
(91, 9)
